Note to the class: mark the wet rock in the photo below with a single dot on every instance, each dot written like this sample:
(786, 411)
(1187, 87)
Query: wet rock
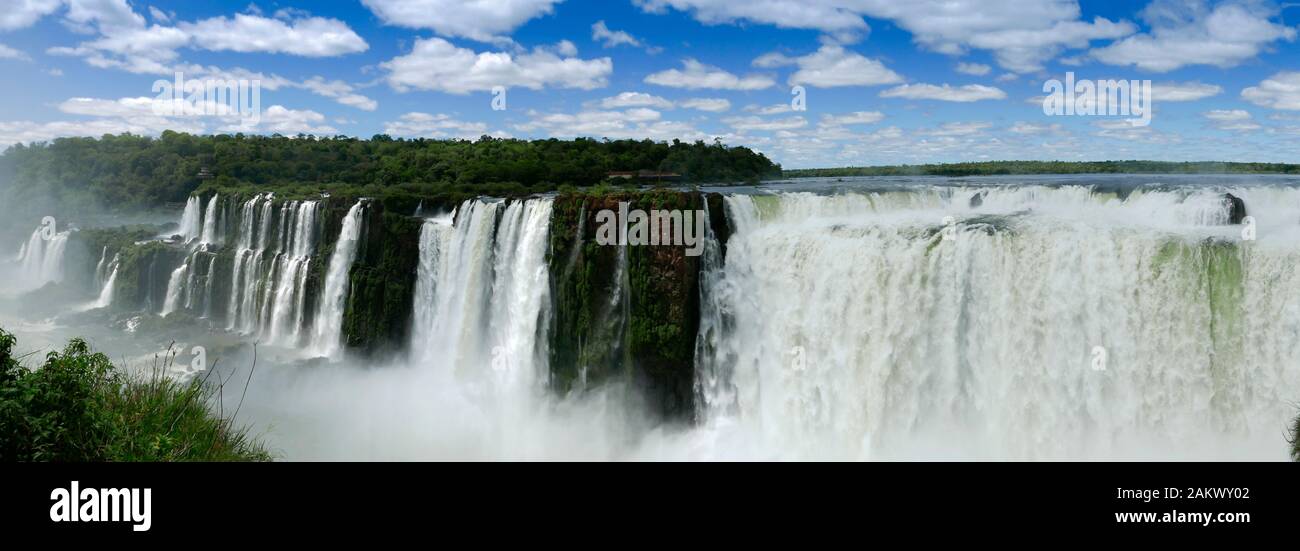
(1236, 208)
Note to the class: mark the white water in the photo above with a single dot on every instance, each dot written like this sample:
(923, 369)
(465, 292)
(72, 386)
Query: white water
(41, 260)
(857, 332)
(191, 226)
(106, 292)
(210, 221)
(282, 322)
(175, 287)
(327, 336)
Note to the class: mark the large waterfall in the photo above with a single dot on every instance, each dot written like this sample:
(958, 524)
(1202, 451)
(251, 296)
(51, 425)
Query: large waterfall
(482, 291)
(329, 319)
(1012, 322)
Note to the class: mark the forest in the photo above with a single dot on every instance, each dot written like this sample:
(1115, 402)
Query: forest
(133, 172)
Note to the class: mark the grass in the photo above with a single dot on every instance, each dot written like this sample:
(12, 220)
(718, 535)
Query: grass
(77, 407)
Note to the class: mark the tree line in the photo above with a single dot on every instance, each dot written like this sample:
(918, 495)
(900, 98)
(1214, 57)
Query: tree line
(128, 171)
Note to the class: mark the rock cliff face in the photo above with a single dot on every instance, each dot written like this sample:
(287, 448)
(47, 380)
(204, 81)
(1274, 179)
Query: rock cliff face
(626, 311)
(617, 313)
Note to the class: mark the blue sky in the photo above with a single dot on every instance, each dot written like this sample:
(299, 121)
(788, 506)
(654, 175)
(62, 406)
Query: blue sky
(884, 82)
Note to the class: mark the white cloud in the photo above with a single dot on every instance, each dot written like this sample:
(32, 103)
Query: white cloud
(1189, 32)
(309, 36)
(18, 14)
(636, 123)
(857, 117)
(711, 105)
(482, 20)
(967, 93)
(1022, 36)
(973, 69)
(1031, 129)
(831, 66)
(1280, 91)
(123, 40)
(339, 91)
(635, 99)
(435, 64)
(696, 75)
(958, 129)
(601, 33)
(425, 125)
(775, 109)
(159, 16)
(136, 115)
(761, 124)
(9, 53)
(1232, 120)
(1184, 91)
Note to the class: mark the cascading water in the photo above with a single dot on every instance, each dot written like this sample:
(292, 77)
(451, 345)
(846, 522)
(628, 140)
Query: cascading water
(191, 226)
(106, 291)
(1042, 323)
(209, 235)
(175, 287)
(41, 260)
(327, 336)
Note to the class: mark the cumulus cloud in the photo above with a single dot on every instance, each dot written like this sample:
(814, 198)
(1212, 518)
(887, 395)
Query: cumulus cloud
(482, 20)
(635, 99)
(973, 69)
(9, 53)
(1280, 91)
(857, 117)
(1190, 32)
(425, 125)
(696, 75)
(946, 92)
(831, 66)
(600, 32)
(306, 36)
(711, 105)
(438, 65)
(1232, 120)
(636, 123)
(137, 115)
(1022, 36)
(762, 124)
(1184, 91)
(19, 14)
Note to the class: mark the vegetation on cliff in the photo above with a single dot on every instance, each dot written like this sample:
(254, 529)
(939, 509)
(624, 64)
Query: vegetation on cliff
(78, 407)
(129, 171)
(629, 311)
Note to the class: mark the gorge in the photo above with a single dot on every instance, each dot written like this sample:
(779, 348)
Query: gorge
(868, 319)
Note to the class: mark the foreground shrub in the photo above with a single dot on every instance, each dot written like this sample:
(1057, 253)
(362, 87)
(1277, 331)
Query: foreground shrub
(78, 407)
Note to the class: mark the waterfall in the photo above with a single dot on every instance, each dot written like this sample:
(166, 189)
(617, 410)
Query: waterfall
(210, 221)
(1039, 323)
(191, 225)
(175, 288)
(329, 317)
(99, 267)
(41, 260)
(482, 291)
(246, 263)
(106, 292)
(291, 264)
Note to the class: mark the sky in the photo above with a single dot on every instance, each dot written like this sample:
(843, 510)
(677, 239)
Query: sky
(810, 83)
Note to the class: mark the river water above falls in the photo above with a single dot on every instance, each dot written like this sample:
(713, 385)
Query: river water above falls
(1109, 317)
